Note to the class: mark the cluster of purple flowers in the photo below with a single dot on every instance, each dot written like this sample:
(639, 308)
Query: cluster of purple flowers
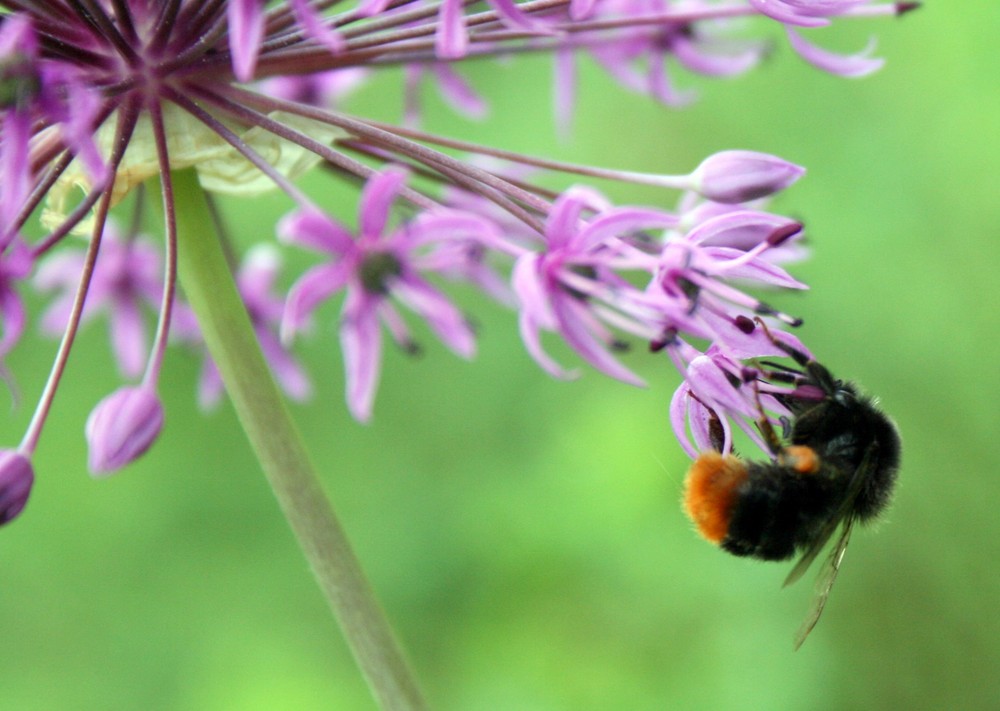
(98, 98)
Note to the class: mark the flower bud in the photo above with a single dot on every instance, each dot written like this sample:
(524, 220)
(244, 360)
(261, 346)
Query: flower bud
(16, 478)
(739, 176)
(122, 427)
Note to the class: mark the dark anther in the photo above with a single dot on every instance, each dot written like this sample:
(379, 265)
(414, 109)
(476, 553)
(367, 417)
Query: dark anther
(746, 325)
(782, 233)
(668, 337)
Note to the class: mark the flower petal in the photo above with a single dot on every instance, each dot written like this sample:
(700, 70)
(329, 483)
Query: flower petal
(128, 338)
(845, 65)
(530, 335)
(376, 200)
(312, 229)
(783, 12)
(571, 316)
(441, 315)
(246, 32)
(361, 344)
(312, 289)
(451, 41)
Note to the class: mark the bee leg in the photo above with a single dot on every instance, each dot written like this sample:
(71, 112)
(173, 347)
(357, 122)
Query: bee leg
(818, 375)
(795, 354)
(764, 425)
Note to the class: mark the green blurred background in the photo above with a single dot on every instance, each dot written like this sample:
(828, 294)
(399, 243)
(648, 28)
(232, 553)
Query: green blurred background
(524, 534)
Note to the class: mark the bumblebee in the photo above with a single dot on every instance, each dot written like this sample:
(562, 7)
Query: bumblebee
(836, 465)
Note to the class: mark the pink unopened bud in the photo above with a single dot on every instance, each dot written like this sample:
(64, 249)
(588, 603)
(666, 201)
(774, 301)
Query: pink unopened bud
(16, 478)
(739, 176)
(122, 427)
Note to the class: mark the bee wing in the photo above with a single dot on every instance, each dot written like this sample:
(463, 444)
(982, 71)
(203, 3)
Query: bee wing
(817, 546)
(828, 573)
(854, 488)
(824, 582)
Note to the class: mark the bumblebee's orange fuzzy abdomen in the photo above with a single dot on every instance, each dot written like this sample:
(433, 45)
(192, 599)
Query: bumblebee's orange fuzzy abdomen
(710, 493)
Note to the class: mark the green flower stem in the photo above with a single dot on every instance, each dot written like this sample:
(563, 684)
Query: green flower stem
(209, 286)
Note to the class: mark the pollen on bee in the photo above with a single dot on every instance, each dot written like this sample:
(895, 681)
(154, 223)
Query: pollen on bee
(802, 459)
(710, 493)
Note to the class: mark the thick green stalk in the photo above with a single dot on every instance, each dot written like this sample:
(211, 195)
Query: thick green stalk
(209, 286)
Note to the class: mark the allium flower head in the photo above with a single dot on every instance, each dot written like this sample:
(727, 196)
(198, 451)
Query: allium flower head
(114, 109)
(100, 97)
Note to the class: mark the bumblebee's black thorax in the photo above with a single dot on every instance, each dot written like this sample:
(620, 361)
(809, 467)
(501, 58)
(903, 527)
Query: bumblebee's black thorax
(843, 428)
(780, 510)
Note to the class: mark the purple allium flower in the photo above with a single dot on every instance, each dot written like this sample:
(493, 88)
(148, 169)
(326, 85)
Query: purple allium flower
(376, 267)
(700, 290)
(127, 281)
(805, 12)
(742, 176)
(121, 427)
(98, 98)
(719, 390)
(573, 287)
(16, 478)
(639, 60)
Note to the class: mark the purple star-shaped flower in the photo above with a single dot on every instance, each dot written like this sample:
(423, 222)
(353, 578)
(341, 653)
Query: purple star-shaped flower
(573, 286)
(127, 278)
(377, 267)
(694, 288)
